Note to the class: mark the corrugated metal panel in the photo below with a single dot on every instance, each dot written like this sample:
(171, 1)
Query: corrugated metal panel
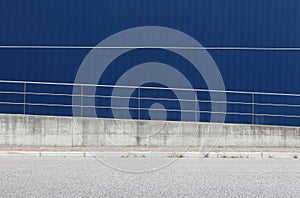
(230, 23)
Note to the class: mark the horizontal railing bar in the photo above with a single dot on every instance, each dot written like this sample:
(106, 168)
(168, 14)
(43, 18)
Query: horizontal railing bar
(224, 102)
(143, 98)
(40, 83)
(192, 111)
(132, 108)
(53, 105)
(12, 103)
(133, 97)
(52, 94)
(277, 104)
(277, 115)
(174, 110)
(191, 100)
(157, 88)
(12, 92)
(147, 98)
(150, 47)
(166, 99)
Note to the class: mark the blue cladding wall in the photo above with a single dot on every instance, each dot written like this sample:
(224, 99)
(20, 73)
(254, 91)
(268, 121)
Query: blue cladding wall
(227, 23)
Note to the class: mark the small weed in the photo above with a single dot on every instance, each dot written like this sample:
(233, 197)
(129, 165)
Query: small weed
(270, 156)
(295, 156)
(174, 155)
(235, 157)
(124, 156)
(180, 156)
(206, 155)
(242, 156)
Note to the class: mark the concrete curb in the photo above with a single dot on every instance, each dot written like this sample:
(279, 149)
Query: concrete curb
(148, 154)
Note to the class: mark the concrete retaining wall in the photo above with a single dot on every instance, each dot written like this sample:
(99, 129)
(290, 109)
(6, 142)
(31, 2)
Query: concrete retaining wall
(29, 130)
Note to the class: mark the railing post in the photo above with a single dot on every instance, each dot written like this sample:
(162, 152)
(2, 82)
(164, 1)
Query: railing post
(24, 99)
(253, 110)
(81, 101)
(196, 102)
(139, 103)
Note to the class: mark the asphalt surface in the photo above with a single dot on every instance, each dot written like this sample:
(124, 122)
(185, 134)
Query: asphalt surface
(87, 177)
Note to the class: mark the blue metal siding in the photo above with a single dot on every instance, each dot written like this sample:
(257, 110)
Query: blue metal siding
(228, 23)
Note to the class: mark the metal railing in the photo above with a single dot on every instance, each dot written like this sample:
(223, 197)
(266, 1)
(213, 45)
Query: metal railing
(63, 99)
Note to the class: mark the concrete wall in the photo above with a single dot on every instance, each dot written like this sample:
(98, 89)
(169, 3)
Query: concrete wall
(29, 130)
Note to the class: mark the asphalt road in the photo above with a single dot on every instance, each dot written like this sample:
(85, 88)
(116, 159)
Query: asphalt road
(86, 177)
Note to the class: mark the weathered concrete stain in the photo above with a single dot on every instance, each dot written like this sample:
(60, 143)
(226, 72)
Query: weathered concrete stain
(30, 130)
